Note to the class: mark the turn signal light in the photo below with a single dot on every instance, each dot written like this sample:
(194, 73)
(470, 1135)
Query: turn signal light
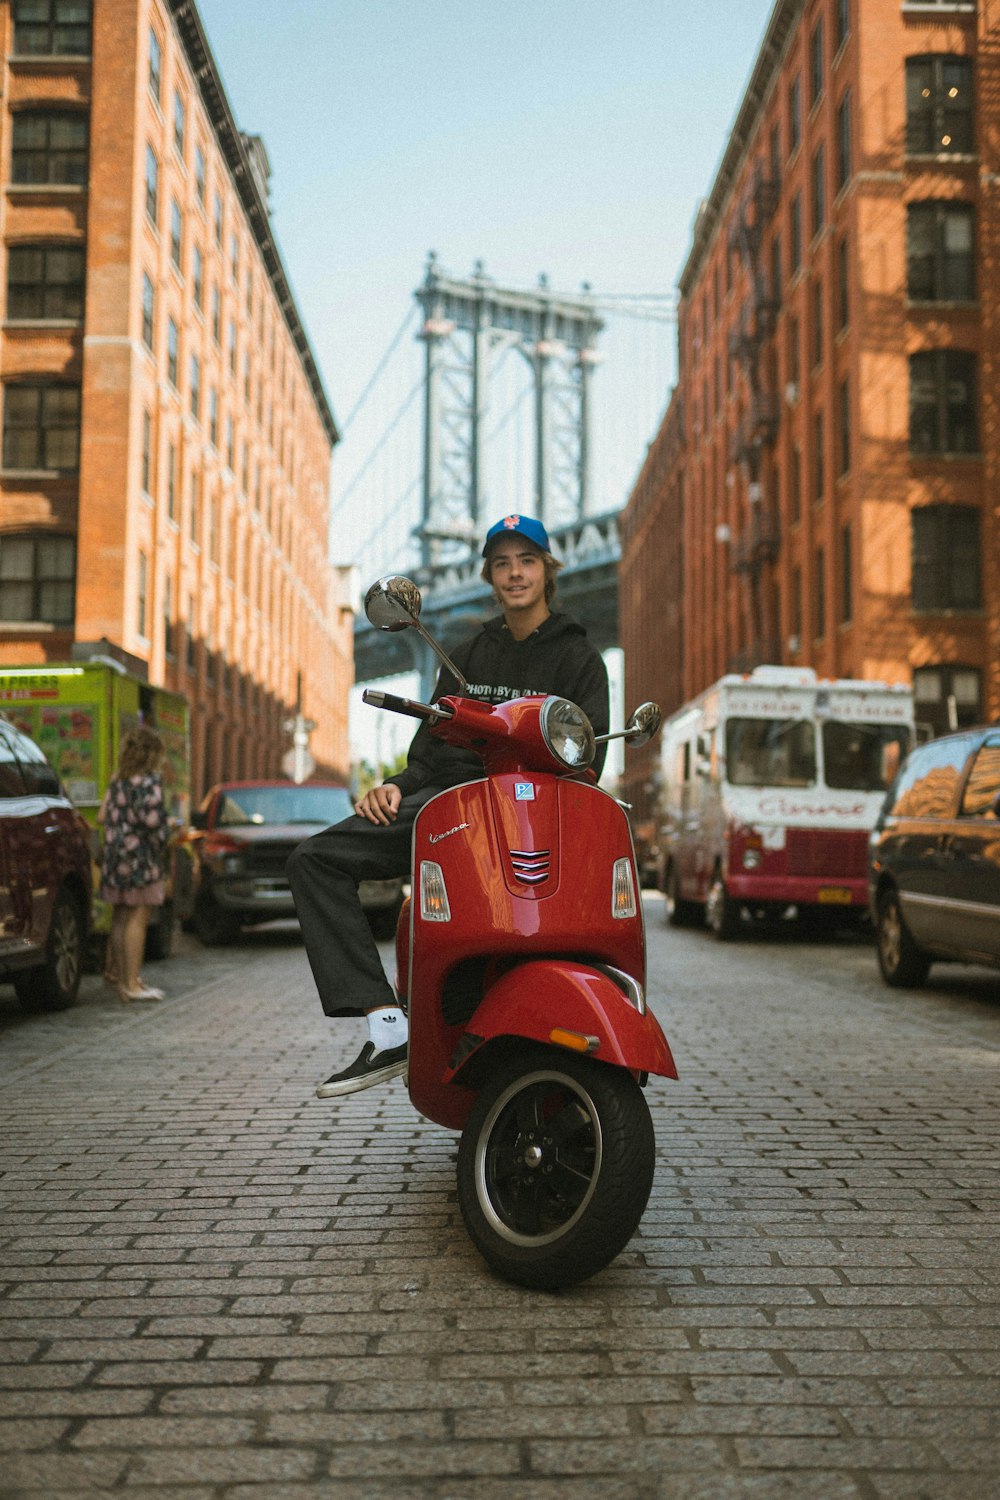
(622, 889)
(576, 1041)
(433, 893)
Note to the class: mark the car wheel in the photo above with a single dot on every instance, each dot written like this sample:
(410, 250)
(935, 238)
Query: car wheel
(54, 984)
(160, 936)
(902, 963)
(680, 913)
(722, 914)
(213, 926)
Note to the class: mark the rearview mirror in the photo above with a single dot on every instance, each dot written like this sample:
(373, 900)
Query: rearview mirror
(643, 724)
(393, 603)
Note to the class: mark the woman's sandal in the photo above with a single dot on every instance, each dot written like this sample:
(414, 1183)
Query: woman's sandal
(145, 992)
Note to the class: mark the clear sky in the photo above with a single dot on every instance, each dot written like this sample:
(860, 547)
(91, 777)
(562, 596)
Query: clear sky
(570, 137)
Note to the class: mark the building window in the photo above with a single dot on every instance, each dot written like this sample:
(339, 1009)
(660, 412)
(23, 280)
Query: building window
(155, 65)
(947, 697)
(173, 339)
(943, 402)
(49, 147)
(795, 233)
(142, 594)
(846, 575)
(844, 404)
(843, 283)
(213, 417)
(946, 572)
(795, 486)
(37, 578)
(819, 189)
(229, 443)
(169, 629)
(234, 257)
(193, 516)
(199, 174)
(189, 632)
(41, 427)
(776, 280)
(817, 322)
(197, 278)
(793, 357)
(180, 124)
(939, 252)
(216, 314)
(232, 345)
(794, 114)
(152, 185)
(938, 104)
(844, 142)
(820, 593)
(195, 407)
(796, 610)
(148, 311)
(842, 23)
(816, 63)
(217, 218)
(146, 466)
(51, 28)
(819, 457)
(176, 233)
(171, 481)
(45, 281)
(246, 377)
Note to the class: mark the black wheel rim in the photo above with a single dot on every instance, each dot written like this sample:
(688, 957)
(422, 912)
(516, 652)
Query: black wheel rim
(538, 1158)
(65, 946)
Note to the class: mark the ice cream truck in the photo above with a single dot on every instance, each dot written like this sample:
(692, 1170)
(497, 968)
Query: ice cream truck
(78, 713)
(771, 784)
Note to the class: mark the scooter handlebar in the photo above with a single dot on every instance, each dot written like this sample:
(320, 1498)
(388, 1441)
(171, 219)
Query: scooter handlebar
(409, 706)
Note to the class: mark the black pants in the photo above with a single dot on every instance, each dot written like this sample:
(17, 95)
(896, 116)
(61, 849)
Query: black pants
(324, 873)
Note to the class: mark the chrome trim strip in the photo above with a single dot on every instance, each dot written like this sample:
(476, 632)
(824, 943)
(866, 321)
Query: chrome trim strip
(949, 903)
(629, 986)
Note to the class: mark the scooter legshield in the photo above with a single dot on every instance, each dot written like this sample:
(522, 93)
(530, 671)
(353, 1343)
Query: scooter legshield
(545, 995)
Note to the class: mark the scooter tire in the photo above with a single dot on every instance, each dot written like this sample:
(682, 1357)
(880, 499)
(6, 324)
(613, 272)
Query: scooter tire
(555, 1167)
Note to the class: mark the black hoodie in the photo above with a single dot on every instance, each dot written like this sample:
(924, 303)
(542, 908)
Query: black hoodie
(556, 658)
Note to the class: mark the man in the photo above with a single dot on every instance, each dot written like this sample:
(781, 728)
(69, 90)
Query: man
(529, 649)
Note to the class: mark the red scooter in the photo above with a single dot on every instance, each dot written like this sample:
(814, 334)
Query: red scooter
(521, 961)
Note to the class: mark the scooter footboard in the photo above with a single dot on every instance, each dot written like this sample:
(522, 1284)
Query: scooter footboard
(564, 1003)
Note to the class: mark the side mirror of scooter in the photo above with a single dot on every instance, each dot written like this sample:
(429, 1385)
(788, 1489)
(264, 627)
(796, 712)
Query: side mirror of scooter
(642, 725)
(394, 604)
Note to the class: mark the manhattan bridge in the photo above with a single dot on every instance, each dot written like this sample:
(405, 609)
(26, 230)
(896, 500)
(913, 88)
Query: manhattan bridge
(491, 400)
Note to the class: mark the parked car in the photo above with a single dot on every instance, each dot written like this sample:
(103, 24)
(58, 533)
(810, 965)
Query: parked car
(241, 837)
(934, 858)
(45, 878)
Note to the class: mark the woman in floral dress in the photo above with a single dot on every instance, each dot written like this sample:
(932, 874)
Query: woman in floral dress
(135, 834)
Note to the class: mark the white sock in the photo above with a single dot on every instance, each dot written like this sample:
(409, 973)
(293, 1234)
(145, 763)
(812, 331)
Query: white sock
(387, 1028)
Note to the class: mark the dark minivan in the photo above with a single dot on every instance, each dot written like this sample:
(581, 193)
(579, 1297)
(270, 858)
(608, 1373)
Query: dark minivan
(934, 858)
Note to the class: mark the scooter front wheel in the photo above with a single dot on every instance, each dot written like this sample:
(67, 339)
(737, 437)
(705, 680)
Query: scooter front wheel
(555, 1167)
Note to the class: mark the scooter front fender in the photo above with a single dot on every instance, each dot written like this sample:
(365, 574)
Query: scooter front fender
(545, 995)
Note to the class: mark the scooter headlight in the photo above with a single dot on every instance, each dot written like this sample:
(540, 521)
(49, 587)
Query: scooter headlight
(567, 733)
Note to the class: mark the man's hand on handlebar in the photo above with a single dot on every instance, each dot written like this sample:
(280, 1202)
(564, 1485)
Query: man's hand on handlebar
(380, 805)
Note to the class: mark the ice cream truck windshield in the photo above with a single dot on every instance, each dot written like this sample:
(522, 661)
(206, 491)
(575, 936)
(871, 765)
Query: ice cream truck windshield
(799, 752)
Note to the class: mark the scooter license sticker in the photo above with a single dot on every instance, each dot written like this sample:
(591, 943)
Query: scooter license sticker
(524, 791)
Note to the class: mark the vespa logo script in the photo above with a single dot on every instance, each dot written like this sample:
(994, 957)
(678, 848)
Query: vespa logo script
(435, 838)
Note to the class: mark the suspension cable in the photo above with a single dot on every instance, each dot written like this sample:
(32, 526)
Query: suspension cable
(369, 387)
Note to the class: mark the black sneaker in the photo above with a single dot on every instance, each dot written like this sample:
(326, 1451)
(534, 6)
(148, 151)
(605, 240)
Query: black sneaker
(367, 1068)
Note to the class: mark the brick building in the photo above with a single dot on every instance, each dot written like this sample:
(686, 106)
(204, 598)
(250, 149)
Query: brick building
(166, 436)
(838, 451)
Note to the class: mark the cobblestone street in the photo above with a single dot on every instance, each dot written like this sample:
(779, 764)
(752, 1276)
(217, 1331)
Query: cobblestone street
(217, 1287)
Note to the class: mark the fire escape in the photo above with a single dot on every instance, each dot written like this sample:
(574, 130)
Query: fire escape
(757, 544)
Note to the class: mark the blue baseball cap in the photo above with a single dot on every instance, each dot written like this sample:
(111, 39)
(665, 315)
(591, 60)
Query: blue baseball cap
(526, 526)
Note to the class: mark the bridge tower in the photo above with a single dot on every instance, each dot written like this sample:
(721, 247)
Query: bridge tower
(468, 326)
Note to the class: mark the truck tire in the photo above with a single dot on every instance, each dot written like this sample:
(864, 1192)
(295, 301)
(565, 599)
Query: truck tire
(680, 913)
(555, 1166)
(723, 915)
(53, 985)
(160, 935)
(901, 963)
